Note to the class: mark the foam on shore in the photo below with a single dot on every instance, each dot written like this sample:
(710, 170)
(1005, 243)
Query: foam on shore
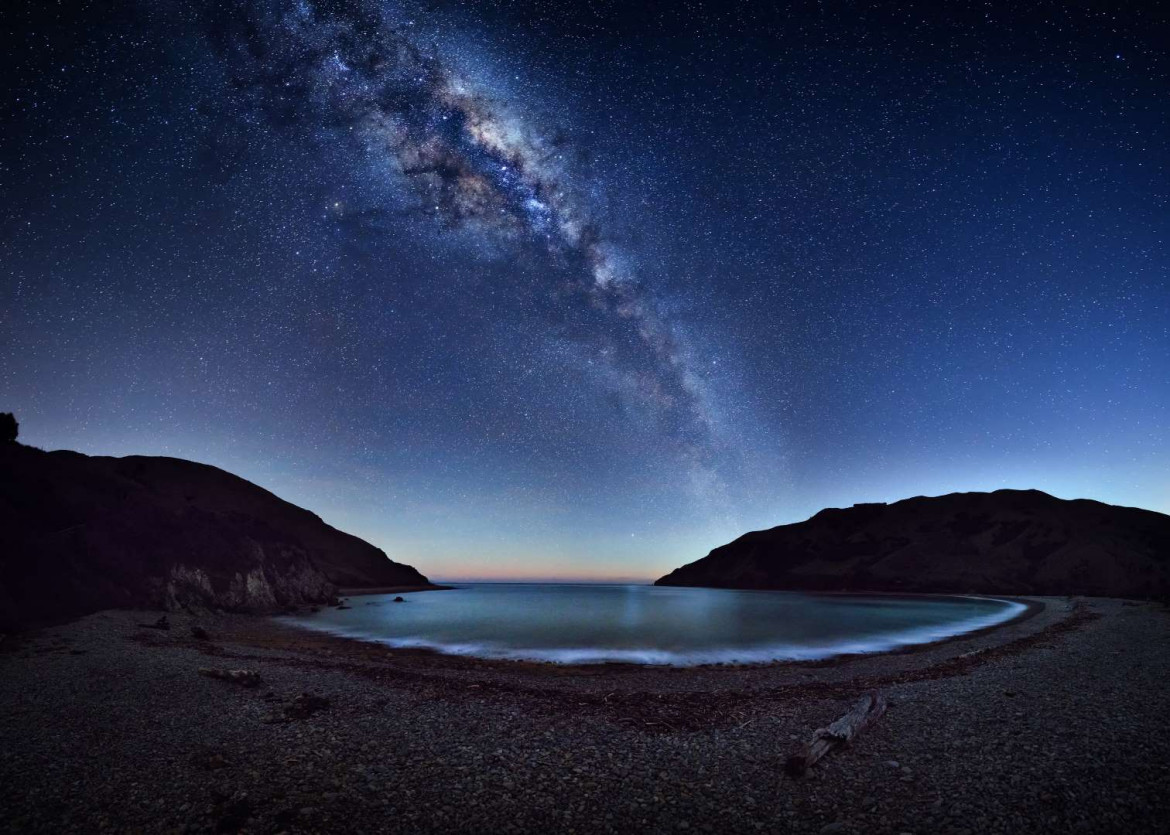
(659, 657)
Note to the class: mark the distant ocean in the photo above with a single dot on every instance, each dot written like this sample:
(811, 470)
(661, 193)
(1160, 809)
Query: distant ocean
(588, 624)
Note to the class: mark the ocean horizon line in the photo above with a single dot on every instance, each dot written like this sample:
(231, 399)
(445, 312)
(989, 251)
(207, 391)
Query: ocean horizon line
(565, 581)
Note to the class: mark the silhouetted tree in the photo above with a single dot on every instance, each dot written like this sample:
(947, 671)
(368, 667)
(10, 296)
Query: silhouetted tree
(9, 428)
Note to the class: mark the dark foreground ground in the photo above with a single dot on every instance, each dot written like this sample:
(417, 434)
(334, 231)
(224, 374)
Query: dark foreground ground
(1055, 723)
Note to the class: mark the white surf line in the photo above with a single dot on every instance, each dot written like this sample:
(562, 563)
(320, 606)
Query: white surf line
(693, 658)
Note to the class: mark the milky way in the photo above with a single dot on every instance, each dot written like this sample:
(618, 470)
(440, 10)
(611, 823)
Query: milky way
(471, 163)
(537, 289)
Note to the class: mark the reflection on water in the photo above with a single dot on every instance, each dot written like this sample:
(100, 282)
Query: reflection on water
(646, 624)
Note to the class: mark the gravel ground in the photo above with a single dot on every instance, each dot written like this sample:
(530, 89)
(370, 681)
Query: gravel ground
(1052, 723)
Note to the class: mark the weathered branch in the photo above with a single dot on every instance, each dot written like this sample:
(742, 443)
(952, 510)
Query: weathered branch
(248, 678)
(867, 710)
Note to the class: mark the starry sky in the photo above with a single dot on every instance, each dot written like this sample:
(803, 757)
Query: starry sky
(582, 290)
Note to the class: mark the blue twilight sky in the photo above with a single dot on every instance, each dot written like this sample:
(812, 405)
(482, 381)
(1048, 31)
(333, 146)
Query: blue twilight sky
(518, 289)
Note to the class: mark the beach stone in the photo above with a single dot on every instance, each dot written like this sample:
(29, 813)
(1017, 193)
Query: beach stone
(209, 760)
(305, 705)
(234, 816)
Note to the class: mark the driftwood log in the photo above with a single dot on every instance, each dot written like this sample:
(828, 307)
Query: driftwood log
(867, 711)
(248, 678)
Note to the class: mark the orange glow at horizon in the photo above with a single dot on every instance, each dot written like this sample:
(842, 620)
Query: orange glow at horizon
(472, 573)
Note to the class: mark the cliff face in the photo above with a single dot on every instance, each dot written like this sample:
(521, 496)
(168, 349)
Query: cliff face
(1006, 542)
(81, 533)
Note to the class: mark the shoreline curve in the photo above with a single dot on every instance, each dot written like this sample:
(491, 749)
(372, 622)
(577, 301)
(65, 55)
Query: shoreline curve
(1017, 609)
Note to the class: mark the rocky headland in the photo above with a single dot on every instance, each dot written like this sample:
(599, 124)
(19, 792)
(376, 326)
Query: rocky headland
(81, 533)
(1007, 542)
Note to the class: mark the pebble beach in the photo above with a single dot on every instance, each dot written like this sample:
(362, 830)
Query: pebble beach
(1052, 722)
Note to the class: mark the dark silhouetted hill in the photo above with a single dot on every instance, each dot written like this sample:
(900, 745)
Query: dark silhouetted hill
(81, 533)
(1006, 542)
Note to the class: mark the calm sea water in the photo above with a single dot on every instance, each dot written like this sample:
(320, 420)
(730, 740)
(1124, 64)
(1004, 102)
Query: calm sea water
(597, 623)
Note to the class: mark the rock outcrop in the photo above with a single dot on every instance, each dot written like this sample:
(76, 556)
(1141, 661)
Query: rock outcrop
(81, 533)
(1006, 542)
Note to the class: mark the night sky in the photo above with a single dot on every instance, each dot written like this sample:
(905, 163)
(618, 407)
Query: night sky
(583, 290)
